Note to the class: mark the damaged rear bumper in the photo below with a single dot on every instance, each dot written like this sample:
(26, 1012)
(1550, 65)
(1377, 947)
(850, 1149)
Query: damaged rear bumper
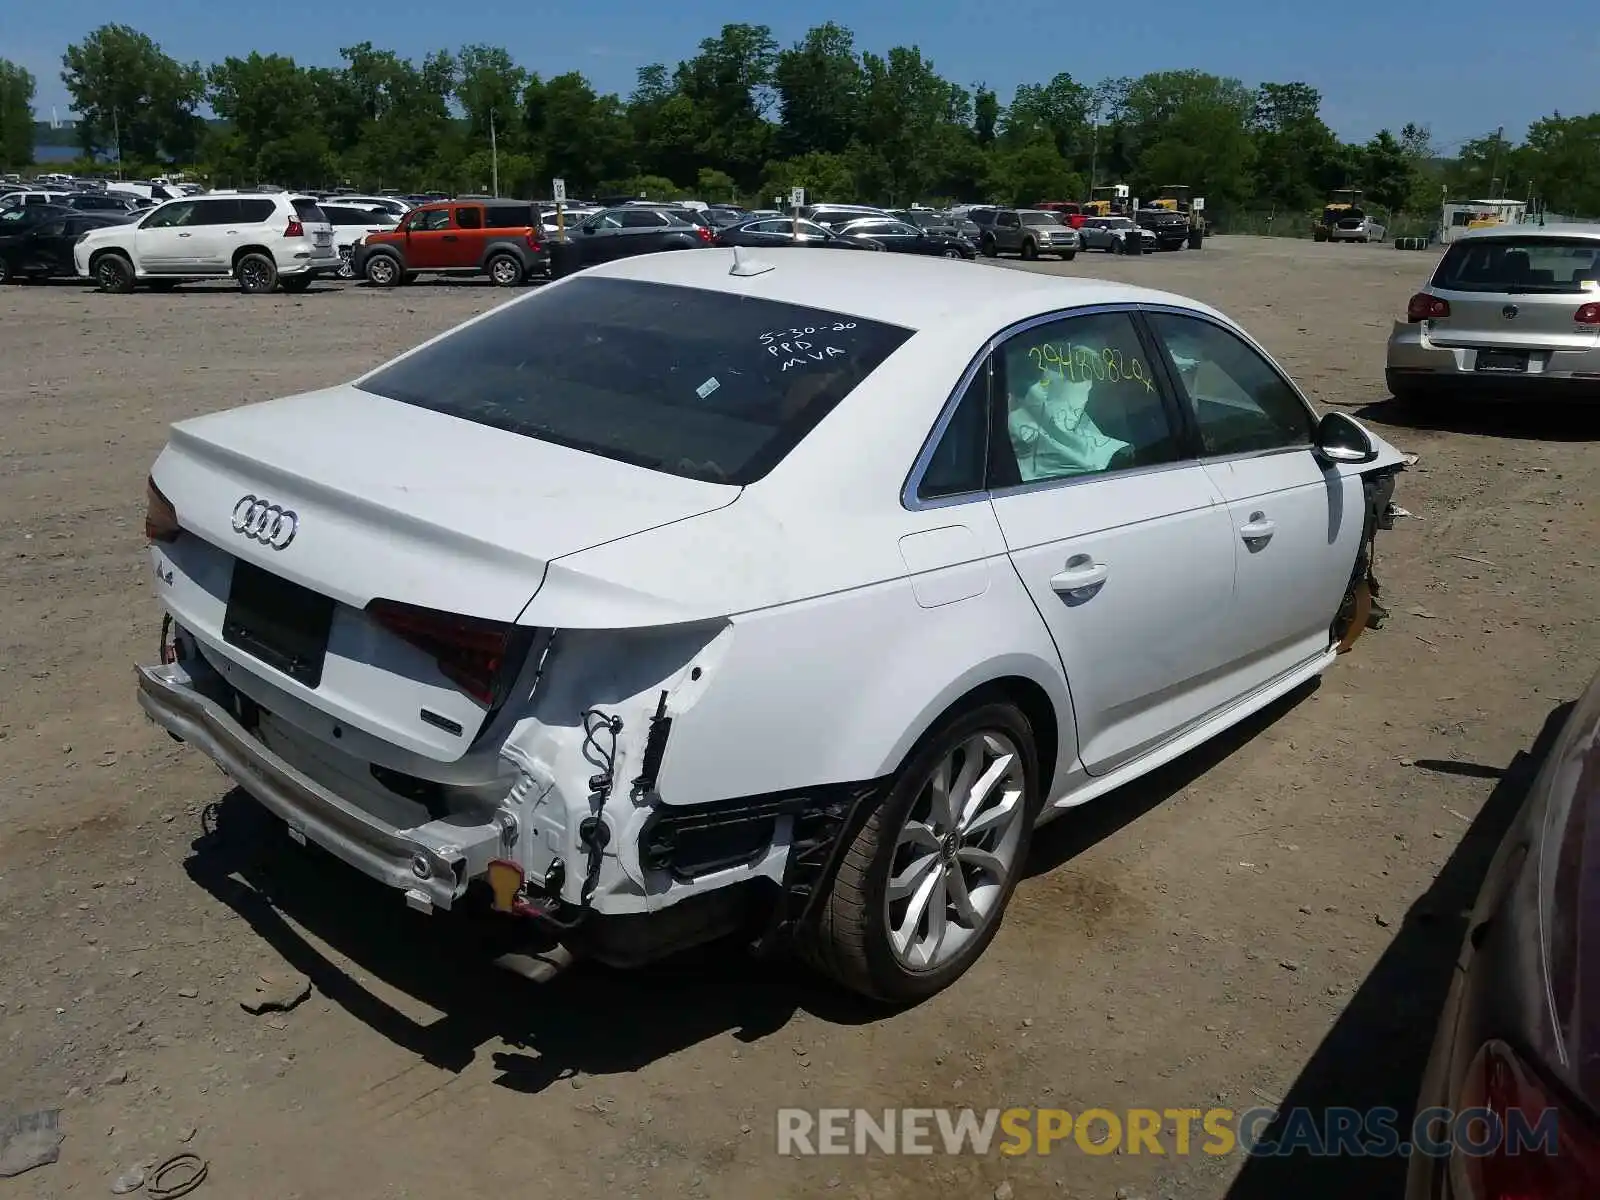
(431, 863)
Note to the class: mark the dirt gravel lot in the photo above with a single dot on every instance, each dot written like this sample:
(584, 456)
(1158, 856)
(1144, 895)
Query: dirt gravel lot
(1268, 921)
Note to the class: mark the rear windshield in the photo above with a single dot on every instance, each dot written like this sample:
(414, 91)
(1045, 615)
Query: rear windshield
(309, 210)
(700, 384)
(1521, 264)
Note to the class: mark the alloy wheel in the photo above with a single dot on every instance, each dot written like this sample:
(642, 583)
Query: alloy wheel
(254, 275)
(956, 852)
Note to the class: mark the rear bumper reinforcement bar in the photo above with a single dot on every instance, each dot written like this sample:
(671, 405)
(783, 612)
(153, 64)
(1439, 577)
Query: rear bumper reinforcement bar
(431, 864)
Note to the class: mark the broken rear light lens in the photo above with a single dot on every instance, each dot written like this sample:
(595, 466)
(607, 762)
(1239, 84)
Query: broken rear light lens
(1423, 307)
(1545, 1151)
(470, 651)
(1587, 314)
(160, 518)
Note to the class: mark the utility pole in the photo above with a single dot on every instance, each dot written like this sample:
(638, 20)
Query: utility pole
(1094, 153)
(494, 154)
(116, 127)
(1494, 163)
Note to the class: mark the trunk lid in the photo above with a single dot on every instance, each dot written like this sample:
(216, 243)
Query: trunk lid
(399, 502)
(358, 498)
(1511, 321)
(1517, 291)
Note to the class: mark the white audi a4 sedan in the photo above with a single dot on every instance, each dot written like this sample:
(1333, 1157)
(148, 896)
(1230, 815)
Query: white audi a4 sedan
(701, 594)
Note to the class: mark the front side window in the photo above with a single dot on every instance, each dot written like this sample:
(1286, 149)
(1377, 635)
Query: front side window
(702, 384)
(172, 216)
(1239, 400)
(1081, 399)
(429, 220)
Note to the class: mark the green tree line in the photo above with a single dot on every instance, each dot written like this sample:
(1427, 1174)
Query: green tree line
(746, 119)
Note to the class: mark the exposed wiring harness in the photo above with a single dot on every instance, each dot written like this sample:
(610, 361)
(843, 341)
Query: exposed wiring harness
(600, 732)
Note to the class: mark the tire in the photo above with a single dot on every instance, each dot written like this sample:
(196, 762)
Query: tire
(346, 271)
(505, 269)
(5, 271)
(113, 273)
(1029, 251)
(951, 253)
(383, 270)
(987, 247)
(297, 284)
(257, 274)
(852, 940)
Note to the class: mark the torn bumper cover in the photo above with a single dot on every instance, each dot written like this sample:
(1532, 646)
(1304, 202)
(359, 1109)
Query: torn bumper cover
(431, 863)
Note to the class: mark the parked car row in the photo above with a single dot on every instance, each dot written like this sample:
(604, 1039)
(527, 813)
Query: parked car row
(270, 240)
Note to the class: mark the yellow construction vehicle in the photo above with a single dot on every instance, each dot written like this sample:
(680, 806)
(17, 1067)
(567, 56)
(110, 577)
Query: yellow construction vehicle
(1113, 200)
(1341, 203)
(1175, 197)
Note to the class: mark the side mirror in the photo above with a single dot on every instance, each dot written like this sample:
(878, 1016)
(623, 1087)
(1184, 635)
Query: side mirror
(1341, 440)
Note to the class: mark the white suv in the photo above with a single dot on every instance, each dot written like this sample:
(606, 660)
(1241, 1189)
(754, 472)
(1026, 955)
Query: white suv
(264, 241)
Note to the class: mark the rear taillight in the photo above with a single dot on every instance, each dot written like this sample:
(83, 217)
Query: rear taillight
(295, 229)
(1423, 307)
(160, 518)
(470, 651)
(1531, 1148)
(533, 242)
(705, 234)
(1587, 314)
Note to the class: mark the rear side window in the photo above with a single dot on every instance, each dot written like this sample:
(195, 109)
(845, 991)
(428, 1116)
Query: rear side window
(469, 216)
(257, 212)
(215, 212)
(643, 218)
(1527, 264)
(511, 216)
(308, 210)
(696, 383)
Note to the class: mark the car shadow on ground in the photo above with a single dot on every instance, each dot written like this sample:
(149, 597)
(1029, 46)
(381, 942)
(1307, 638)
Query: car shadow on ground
(1078, 829)
(1520, 420)
(585, 1021)
(1375, 1054)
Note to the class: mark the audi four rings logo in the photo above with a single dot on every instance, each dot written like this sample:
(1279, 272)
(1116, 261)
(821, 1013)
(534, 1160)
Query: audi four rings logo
(264, 522)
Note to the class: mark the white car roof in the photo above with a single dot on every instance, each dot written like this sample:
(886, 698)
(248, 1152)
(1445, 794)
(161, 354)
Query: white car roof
(911, 291)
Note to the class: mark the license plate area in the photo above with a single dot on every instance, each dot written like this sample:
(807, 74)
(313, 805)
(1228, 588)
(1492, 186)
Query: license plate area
(281, 623)
(1503, 362)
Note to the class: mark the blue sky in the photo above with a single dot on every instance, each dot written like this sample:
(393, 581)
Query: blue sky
(1376, 64)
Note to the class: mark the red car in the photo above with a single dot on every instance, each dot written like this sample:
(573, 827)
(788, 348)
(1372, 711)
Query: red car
(1070, 211)
(502, 239)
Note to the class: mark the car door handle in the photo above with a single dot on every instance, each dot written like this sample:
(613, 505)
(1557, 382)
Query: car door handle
(1258, 528)
(185, 235)
(1082, 574)
(449, 237)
